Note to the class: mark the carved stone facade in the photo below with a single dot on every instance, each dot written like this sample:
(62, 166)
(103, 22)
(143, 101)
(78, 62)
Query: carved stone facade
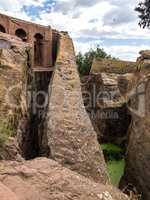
(39, 36)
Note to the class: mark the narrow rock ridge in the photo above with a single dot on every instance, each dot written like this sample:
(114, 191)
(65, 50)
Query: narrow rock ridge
(71, 137)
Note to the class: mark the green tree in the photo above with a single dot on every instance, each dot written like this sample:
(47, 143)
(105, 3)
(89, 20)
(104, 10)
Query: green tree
(84, 61)
(143, 9)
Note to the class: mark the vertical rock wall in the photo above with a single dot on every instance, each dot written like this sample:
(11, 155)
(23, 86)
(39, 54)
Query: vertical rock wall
(138, 152)
(71, 137)
(14, 61)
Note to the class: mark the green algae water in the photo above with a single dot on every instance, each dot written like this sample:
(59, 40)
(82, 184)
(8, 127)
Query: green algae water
(114, 156)
(116, 171)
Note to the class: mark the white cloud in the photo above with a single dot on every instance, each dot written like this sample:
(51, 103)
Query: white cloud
(126, 52)
(92, 20)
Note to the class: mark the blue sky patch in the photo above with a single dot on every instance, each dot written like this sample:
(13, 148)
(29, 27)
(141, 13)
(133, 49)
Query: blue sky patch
(34, 11)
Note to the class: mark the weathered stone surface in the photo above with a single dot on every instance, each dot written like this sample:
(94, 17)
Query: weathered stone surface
(144, 61)
(105, 99)
(14, 62)
(120, 66)
(145, 54)
(126, 83)
(14, 58)
(113, 66)
(71, 137)
(6, 193)
(138, 152)
(44, 179)
(10, 150)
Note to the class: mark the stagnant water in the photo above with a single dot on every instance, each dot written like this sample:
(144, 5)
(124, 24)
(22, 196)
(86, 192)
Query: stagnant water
(114, 156)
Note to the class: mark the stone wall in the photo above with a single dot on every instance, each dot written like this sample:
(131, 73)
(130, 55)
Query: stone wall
(29, 32)
(118, 66)
(105, 100)
(113, 66)
(71, 137)
(14, 62)
(138, 151)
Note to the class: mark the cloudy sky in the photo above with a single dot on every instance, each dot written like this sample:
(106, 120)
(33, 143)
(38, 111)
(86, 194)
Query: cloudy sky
(111, 24)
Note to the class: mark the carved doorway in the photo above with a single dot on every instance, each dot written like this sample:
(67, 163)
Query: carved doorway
(21, 34)
(38, 50)
(2, 29)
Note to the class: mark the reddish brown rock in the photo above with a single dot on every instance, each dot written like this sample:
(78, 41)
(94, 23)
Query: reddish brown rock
(14, 62)
(15, 59)
(71, 137)
(44, 179)
(10, 150)
(6, 193)
(138, 152)
(105, 99)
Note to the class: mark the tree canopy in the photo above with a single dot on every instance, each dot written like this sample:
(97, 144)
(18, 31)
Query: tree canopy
(84, 61)
(143, 9)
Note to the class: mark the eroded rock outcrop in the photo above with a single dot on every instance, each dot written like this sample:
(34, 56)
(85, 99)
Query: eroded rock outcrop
(138, 152)
(44, 179)
(71, 137)
(14, 63)
(113, 66)
(10, 150)
(106, 96)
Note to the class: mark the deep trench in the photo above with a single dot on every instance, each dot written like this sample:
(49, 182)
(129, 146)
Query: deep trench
(114, 141)
(35, 143)
(38, 100)
(111, 124)
(32, 129)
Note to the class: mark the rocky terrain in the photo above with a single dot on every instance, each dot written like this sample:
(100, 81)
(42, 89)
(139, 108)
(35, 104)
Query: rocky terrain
(137, 158)
(54, 152)
(45, 179)
(122, 95)
(66, 135)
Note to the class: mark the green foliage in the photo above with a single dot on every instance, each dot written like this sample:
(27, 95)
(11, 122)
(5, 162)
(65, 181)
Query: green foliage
(114, 156)
(143, 9)
(84, 61)
(5, 132)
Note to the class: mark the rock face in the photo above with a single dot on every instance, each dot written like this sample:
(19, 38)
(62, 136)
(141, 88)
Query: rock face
(14, 62)
(10, 150)
(113, 66)
(145, 56)
(105, 100)
(71, 137)
(44, 179)
(6, 194)
(138, 152)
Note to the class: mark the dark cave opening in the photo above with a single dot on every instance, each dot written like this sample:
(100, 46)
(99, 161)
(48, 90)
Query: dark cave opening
(113, 139)
(34, 126)
(32, 135)
(115, 129)
(111, 125)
